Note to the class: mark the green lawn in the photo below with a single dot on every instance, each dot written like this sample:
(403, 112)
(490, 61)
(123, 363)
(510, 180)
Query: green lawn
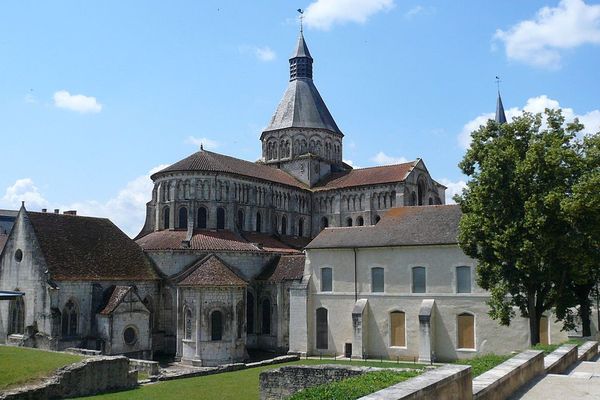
(549, 348)
(19, 365)
(484, 363)
(238, 385)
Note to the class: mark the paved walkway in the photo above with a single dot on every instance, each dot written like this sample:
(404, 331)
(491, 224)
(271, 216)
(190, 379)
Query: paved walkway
(582, 382)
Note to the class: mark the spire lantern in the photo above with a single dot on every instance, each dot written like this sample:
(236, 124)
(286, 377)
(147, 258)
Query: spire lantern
(301, 61)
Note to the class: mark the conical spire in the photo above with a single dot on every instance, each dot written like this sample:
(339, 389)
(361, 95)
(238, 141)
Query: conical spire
(500, 116)
(301, 61)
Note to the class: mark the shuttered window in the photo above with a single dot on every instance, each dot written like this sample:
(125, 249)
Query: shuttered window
(466, 331)
(397, 329)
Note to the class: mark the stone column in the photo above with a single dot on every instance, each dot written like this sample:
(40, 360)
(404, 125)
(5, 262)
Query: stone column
(426, 334)
(198, 355)
(359, 329)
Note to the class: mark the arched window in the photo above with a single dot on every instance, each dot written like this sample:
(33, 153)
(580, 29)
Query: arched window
(322, 328)
(220, 218)
(202, 217)
(183, 216)
(348, 221)
(419, 282)
(377, 280)
(398, 329)
(430, 201)
(150, 306)
(544, 337)
(166, 218)
(421, 192)
(360, 221)
(216, 325)
(283, 225)
(258, 222)
(240, 221)
(301, 227)
(463, 279)
(16, 312)
(188, 324)
(69, 319)
(324, 222)
(466, 331)
(266, 317)
(249, 312)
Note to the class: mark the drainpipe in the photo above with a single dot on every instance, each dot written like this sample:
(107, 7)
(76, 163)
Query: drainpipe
(355, 280)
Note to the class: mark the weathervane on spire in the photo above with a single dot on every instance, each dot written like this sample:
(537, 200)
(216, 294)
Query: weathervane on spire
(301, 11)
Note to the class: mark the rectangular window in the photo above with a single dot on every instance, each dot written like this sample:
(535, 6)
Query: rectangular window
(463, 279)
(377, 277)
(466, 331)
(544, 339)
(326, 280)
(418, 280)
(397, 329)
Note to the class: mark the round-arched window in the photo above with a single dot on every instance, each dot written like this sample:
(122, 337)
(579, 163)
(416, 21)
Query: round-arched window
(130, 335)
(18, 255)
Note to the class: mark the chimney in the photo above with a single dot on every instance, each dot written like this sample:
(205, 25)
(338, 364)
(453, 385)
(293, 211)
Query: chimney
(44, 210)
(70, 212)
(56, 211)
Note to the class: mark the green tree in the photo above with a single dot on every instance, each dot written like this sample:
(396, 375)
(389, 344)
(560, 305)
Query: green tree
(513, 223)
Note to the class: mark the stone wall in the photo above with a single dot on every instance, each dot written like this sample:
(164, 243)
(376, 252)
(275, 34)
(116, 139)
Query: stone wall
(560, 359)
(587, 351)
(150, 367)
(282, 382)
(450, 382)
(88, 377)
(505, 379)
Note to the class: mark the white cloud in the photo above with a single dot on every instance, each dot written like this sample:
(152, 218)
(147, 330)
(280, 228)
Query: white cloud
(539, 41)
(538, 104)
(76, 102)
(323, 14)
(416, 10)
(23, 190)
(453, 188)
(351, 163)
(264, 53)
(383, 159)
(207, 143)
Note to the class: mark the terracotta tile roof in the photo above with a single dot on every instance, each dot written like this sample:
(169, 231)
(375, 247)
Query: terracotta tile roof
(401, 226)
(367, 176)
(284, 268)
(3, 238)
(214, 162)
(295, 242)
(269, 242)
(209, 271)
(85, 248)
(115, 299)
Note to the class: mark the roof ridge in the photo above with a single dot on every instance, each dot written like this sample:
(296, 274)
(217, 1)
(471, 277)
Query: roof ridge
(384, 166)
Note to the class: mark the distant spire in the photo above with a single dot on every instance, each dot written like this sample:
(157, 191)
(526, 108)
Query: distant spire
(301, 61)
(500, 115)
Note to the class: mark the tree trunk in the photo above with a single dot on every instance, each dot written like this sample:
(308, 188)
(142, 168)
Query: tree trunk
(585, 307)
(534, 320)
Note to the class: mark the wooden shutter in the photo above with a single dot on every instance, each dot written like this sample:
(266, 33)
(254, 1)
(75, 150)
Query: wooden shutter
(398, 334)
(466, 331)
(544, 339)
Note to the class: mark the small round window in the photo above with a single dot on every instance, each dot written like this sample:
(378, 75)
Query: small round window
(129, 335)
(18, 255)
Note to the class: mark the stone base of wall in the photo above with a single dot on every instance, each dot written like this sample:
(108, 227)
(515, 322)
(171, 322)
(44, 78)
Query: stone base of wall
(88, 377)
(149, 367)
(587, 351)
(560, 359)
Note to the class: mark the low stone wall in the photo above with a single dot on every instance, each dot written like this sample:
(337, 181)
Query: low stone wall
(88, 377)
(149, 367)
(587, 351)
(85, 352)
(505, 379)
(449, 382)
(560, 359)
(283, 382)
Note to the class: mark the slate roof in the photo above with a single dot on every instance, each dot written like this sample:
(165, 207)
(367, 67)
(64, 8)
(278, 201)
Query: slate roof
(301, 48)
(367, 176)
(302, 107)
(401, 226)
(205, 160)
(500, 115)
(85, 248)
(284, 268)
(115, 299)
(210, 271)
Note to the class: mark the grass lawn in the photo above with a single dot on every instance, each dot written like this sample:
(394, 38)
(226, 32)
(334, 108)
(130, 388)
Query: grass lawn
(356, 387)
(484, 363)
(238, 385)
(549, 348)
(19, 365)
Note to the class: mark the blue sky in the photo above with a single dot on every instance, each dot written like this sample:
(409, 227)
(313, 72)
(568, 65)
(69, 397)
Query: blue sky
(95, 96)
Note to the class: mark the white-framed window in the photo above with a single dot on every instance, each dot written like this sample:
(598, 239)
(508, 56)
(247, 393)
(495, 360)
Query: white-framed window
(326, 279)
(463, 279)
(377, 280)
